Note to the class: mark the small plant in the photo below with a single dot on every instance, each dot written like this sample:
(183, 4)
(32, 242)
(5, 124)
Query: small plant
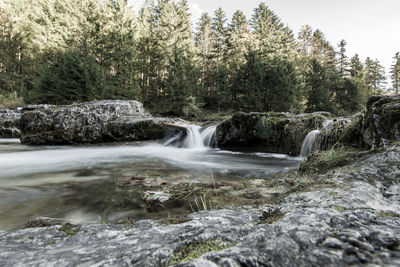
(103, 217)
(201, 203)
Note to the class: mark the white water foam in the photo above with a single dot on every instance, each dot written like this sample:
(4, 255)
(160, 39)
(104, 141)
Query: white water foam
(309, 143)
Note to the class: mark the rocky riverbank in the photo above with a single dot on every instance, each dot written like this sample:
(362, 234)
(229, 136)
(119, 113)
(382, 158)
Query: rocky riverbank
(353, 218)
(9, 123)
(268, 132)
(341, 208)
(92, 122)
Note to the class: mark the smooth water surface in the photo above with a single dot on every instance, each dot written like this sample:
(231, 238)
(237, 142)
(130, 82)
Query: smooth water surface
(77, 183)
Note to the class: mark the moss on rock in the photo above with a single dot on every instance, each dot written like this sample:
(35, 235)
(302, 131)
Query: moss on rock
(268, 132)
(323, 161)
(196, 249)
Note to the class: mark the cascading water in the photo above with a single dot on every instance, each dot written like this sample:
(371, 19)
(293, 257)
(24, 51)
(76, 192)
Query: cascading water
(196, 137)
(193, 138)
(208, 136)
(308, 144)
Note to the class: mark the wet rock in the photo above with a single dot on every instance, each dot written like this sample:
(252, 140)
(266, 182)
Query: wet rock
(268, 132)
(342, 131)
(309, 230)
(91, 122)
(9, 123)
(381, 123)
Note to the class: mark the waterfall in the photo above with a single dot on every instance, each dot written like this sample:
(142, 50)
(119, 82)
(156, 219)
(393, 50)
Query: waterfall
(193, 138)
(208, 136)
(196, 137)
(308, 144)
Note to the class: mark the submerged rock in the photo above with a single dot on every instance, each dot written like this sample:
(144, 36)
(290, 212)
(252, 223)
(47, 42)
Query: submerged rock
(91, 122)
(268, 132)
(353, 223)
(9, 123)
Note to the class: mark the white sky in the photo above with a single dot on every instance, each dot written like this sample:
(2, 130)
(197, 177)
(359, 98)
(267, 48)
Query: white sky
(370, 27)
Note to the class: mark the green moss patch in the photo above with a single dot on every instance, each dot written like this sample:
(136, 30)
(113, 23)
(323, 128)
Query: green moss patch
(195, 250)
(69, 229)
(388, 214)
(323, 161)
(175, 220)
(270, 216)
(37, 223)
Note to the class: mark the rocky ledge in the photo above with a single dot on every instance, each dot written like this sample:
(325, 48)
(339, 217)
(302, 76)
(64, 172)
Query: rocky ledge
(354, 220)
(268, 132)
(378, 125)
(9, 123)
(91, 122)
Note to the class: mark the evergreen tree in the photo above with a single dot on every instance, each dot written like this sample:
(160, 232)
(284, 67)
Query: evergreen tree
(205, 42)
(238, 43)
(356, 67)
(181, 77)
(273, 38)
(305, 38)
(252, 77)
(395, 73)
(374, 76)
(282, 82)
(11, 47)
(348, 95)
(72, 77)
(218, 24)
(342, 61)
(317, 84)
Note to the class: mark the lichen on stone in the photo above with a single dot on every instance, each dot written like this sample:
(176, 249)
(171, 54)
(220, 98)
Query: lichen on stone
(196, 249)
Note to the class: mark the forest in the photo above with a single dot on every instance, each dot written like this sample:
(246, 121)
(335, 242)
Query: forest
(61, 52)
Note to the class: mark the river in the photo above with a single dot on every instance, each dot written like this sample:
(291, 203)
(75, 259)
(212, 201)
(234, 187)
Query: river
(76, 183)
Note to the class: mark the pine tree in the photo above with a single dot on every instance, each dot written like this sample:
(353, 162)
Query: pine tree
(252, 77)
(219, 27)
(282, 82)
(356, 67)
(239, 38)
(273, 38)
(205, 42)
(12, 39)
(317, 84)
(342, 61)
(374, 76)
(72, 77)
(395, 73)
(305, 38)
(181, 78)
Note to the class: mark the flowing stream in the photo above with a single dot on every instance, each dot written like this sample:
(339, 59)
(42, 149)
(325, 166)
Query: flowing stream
(77, 182)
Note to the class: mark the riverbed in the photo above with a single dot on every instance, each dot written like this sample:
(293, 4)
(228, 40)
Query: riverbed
(77, 183)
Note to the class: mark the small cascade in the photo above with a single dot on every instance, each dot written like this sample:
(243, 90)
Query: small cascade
(196, 137)
(309, 143)
(193, 138)
(173, 140)
(208, 136)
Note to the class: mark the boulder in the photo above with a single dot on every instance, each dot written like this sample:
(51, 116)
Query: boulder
(9, 123)
(268, 132)
(91, 122)
(381, 123)
(342, 131)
